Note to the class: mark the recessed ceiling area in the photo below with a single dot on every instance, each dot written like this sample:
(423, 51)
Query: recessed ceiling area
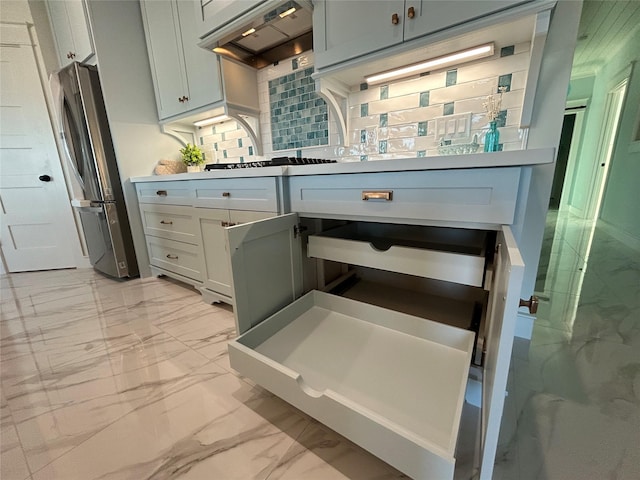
(604, 28)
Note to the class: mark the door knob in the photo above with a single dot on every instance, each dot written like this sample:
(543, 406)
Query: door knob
(44, 178)
(531, 304)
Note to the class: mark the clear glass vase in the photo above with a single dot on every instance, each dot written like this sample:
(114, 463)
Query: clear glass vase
(492, 138)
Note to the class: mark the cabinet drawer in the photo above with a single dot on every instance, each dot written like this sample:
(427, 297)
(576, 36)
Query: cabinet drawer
(473, 195)
(259, 194)
(169, 193)
(452, 255)
(357, 389)
(169, 221)
(178, 257)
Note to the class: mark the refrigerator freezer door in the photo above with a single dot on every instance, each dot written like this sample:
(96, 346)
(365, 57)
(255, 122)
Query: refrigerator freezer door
(104, 239)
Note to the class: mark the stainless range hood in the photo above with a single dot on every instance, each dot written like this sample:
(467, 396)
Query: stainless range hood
(265, 35)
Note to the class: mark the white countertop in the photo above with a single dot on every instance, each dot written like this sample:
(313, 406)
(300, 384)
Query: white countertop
(475, 160)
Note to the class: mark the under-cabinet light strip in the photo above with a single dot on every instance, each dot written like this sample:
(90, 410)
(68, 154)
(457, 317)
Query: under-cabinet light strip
(439, 62)
(287, 12)
(210, 121)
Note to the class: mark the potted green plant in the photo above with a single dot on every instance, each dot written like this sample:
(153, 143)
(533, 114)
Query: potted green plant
(192, 157)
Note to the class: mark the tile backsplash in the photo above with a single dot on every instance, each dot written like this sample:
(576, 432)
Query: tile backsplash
(406, 118)
(299, 115)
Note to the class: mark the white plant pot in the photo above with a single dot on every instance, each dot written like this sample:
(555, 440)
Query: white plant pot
(194, 168)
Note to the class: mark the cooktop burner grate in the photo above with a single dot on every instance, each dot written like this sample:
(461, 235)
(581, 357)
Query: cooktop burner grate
(274, 162)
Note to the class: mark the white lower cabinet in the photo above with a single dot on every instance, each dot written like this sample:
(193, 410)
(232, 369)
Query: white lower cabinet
(184, 223)
(216, 285)
(371, 328)
(179, 258)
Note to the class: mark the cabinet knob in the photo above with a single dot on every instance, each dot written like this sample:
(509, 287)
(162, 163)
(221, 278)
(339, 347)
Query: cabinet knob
(71, 55)
(411, 12)
(224, 224)
(226, 194)
(395, 19)
(531, 304)
(180, 99)
(172, 257)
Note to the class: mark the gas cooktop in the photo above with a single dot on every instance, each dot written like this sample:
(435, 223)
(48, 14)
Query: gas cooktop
(274, 162)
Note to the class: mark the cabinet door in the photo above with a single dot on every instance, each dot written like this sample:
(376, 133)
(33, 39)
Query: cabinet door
(61, 31)
(434, 15)
(266, 268)
(202, 66)
(346, 30)
(212, 222)
(71, 31)
(79, 25)
(165, 56)
(501, 316)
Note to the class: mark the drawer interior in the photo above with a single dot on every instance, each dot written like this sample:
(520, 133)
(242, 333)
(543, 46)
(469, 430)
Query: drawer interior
(383, 236)
(448, 254)
(462, 313)
(402, 371)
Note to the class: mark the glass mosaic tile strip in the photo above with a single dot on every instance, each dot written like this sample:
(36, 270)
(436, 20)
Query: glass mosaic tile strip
(299, 117)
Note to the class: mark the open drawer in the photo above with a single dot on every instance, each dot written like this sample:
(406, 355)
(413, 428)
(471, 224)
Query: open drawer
(338, 360)
(453, 255)
(391, 382)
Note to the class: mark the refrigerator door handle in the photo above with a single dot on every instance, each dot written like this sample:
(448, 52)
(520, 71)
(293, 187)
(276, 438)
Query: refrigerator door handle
(96, 210)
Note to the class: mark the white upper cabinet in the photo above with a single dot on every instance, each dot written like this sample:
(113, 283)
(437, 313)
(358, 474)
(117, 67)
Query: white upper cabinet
(186, 77)
(70, 26)
(347, 30)
(422, 17)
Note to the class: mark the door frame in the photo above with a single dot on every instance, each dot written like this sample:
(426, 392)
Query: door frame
(577, 108)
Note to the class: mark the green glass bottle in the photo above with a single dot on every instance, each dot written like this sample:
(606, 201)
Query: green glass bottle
(492, 138)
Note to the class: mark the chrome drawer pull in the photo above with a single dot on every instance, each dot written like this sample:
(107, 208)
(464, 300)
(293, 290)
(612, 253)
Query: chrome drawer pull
(386, 195)
(161, 193)
(166, 223)
(172, 257)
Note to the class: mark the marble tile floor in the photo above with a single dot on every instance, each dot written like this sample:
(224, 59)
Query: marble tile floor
(573, 410)
(103, 379)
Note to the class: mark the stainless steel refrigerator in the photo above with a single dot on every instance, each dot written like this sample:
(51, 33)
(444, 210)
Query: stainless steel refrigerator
(91, 156)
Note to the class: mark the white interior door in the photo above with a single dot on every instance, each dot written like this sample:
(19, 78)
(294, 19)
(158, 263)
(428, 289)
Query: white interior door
(37, 230)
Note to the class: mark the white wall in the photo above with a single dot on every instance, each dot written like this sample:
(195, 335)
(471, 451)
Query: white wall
(622, 195)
